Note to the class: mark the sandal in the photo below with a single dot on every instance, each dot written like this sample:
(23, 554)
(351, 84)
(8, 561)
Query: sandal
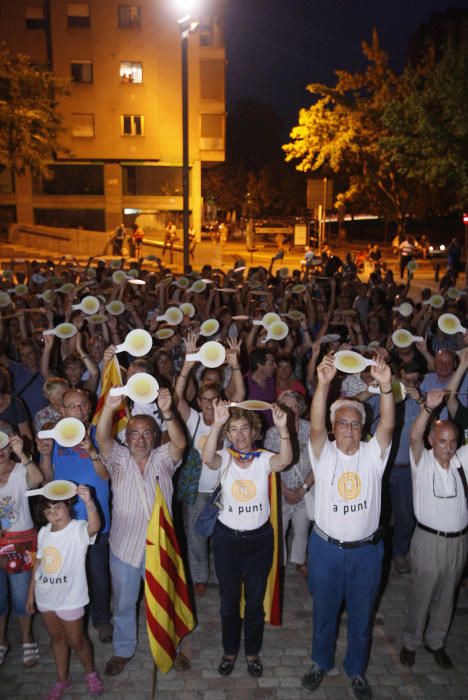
(3, 652)
(255, 667)
(94, 683)
(30, 654)
(59, 690)
(226, 667)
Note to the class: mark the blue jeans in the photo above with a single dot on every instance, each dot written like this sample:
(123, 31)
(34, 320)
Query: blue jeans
(197, 546)
(126, 582)
(336, 575)
(97, 569)
(401, 497)
(18, 585)
(242, 559)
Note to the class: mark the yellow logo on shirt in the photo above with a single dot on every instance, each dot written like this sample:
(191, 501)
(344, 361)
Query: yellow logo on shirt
(51, 560)
(349, 486)
(244, 490)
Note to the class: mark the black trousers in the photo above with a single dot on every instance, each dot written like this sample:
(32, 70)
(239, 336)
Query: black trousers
(242, 558)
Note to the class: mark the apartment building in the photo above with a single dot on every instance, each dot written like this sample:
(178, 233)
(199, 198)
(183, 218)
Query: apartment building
(123, 117)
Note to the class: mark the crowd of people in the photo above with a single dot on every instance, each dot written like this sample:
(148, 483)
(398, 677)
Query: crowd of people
(379, 448)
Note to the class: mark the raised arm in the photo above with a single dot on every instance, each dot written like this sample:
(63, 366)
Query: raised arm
(94, 521)
(433, 400)
(177, 440)
(235, 390)
(209, 454)
(104, 426)
(326, 372)
(183, 378)
(454, 383)
(280, 461)
(382, 374)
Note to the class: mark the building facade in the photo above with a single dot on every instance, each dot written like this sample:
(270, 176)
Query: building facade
(123, 116)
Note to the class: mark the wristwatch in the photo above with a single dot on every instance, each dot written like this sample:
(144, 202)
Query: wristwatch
(305, 487)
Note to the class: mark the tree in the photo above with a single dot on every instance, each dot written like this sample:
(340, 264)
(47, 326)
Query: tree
(361, 129)
(30, 124)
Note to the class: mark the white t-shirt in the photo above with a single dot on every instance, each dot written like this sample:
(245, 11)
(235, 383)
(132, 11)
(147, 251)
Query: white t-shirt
(14, 504)
(61, 576)
(245, 492)
(208, 477)
(348, 490)
(438, 496)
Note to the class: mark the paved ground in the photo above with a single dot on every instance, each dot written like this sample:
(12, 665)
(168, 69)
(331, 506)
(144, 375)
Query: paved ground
(285, 656)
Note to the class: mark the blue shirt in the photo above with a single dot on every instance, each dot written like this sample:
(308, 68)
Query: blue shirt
(33, 396)
(406, 413)
(432, 381)
(75, 464)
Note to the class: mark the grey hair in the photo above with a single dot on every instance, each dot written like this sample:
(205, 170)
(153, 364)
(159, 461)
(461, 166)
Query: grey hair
(347, 403)
(298, 398)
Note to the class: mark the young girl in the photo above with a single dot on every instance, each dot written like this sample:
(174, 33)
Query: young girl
(59, 587)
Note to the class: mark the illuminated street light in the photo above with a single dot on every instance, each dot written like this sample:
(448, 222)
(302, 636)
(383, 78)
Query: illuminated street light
(187, 26)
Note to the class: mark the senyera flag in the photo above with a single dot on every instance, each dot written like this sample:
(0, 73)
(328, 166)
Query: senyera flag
(169, 615)
(271, 601)
(111, 377)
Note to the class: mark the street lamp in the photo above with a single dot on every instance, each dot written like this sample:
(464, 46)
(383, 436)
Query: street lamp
(187, 26)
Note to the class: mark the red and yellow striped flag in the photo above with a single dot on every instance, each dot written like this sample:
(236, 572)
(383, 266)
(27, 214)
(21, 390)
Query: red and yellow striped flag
(169, 616)
(111, 377)
(272, 599)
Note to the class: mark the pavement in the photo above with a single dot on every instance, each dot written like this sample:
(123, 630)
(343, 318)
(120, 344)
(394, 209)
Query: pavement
(285, 656)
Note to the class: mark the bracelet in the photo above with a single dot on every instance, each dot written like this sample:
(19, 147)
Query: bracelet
(26, 464)
(82, 357)
(390, 391)
(236, 369)
(428, 409)
(284, 438)
(171, 416)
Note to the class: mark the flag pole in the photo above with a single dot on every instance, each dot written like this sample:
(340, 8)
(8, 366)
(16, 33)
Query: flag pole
(155, 679)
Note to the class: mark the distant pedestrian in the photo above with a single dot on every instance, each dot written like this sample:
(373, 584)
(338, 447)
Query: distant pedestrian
(454, 258)
(118, 239)
(407, 250)
(137, 240)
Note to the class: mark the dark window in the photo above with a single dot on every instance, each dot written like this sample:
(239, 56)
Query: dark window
(81, 71)
(35, 18)
(129, 17)
(90, 219)
(132, 124)
(73, 179)
(7, 217)
(161, 180)
(7, 181)
(78, 14)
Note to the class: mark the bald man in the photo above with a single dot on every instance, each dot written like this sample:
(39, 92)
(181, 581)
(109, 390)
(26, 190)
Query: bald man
(440, 542)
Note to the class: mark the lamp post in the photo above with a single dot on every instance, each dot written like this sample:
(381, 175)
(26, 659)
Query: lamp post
(187, 25)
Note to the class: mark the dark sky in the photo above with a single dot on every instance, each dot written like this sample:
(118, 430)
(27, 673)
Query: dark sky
(276, 47)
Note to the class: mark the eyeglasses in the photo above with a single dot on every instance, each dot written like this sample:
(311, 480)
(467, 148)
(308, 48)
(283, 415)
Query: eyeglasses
(355, 425)
(77, 405)
(145, 433)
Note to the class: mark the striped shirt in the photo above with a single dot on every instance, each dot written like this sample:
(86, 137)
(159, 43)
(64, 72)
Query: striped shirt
(130, 513)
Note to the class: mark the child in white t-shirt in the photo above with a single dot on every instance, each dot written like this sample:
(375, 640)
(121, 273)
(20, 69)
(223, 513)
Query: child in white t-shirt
(59, 587)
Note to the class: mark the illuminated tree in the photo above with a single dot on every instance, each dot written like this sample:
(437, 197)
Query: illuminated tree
(30, 124)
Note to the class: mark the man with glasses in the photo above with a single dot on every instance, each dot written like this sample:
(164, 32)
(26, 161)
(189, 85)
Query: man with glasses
(82, 464)
(345, 547)
(440, 542)
(135, 470)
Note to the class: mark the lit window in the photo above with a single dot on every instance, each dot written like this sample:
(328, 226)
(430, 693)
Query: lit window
(82, 125)
(78, 14)
(131, 72)
(129, 16)
(212, 80)
(81, 71)
(132, 124)
(35, 18)
(212, 132)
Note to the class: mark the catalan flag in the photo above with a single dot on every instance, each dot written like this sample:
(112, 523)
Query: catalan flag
(111, 377)
(272, 600)
(169, 615)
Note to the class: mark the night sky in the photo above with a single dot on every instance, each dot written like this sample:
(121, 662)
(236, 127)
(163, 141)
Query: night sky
(276, 47)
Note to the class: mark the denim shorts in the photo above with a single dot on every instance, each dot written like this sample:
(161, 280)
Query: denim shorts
(17, 586)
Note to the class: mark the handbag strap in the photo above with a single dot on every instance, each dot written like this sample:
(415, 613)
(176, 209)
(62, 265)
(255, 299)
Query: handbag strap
(461, 471)
(28, 384)
(195, 432)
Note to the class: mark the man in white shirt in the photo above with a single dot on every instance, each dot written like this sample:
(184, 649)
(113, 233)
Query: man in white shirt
(440, 542)
(345, 547)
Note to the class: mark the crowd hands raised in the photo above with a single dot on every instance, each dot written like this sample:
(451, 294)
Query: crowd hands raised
(403, 405)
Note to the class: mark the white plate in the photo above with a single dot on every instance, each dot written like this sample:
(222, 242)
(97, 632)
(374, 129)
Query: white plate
(351, 362)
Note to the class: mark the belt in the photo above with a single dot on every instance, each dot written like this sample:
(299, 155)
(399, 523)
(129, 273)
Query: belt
(342, 544)
(243, 533)
(400, 466)
(443, 534)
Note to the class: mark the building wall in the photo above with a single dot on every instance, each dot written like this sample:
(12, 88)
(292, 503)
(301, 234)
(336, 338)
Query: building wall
(94, 111)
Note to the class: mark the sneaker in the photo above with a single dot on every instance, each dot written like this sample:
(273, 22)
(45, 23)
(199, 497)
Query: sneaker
(312, 680)
(59, 690)
(441, 657)
(94, 683)
(407, 657)
(361, 688)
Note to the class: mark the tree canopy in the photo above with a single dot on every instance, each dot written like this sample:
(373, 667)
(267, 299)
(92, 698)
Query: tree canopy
(30, 124)
(397, 142)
